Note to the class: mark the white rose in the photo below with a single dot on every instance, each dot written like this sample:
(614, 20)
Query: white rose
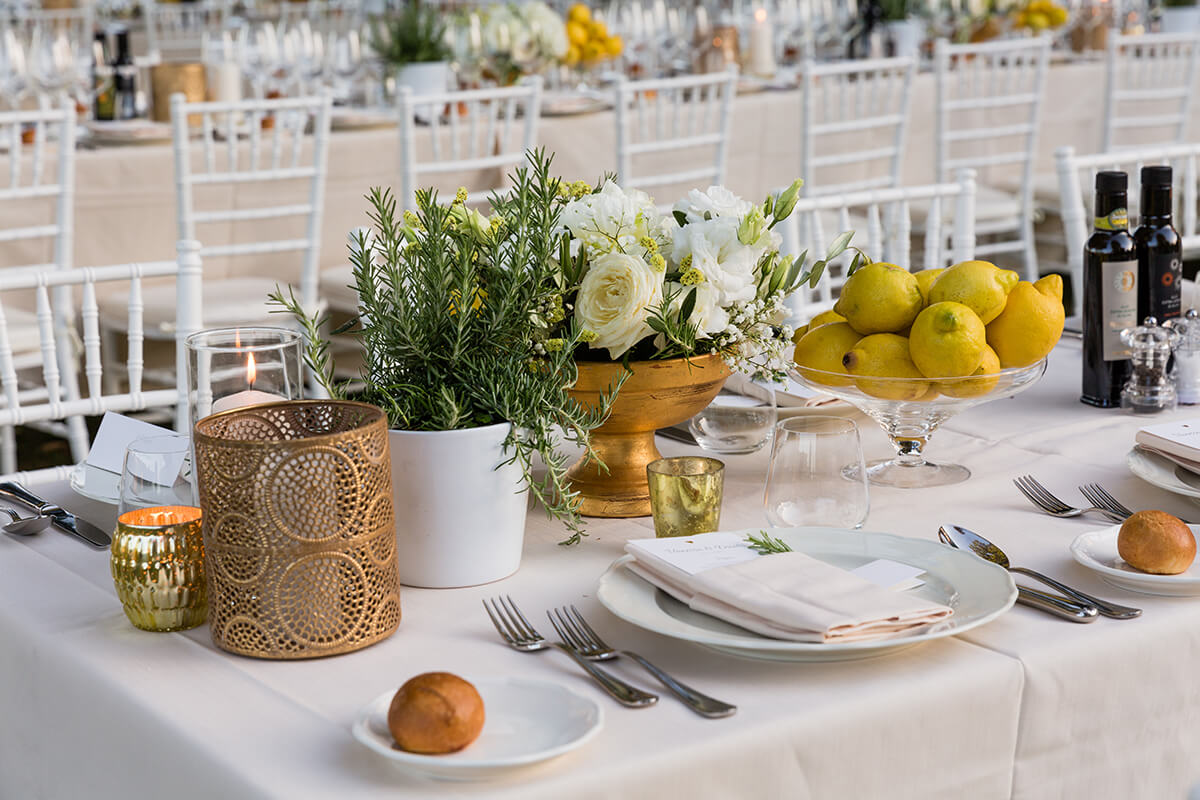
(716, 201)
(616, 296)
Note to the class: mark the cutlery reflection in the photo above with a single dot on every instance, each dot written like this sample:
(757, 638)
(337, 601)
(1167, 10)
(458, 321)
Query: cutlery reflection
(969, 540)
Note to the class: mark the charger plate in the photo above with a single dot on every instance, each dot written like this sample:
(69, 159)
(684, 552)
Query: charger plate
(977, 590)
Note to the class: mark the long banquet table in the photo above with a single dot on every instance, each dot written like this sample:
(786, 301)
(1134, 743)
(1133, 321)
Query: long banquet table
(1028, 706)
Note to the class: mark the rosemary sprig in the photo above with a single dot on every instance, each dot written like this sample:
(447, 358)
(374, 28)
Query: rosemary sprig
(764, 544)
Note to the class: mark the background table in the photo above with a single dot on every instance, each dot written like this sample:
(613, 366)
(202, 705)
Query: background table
(1028, 706)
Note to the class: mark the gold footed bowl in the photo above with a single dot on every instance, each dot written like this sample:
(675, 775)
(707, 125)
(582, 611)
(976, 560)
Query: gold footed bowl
(656, 394)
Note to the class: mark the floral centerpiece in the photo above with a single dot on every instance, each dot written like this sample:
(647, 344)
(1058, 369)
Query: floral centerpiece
(522, 39)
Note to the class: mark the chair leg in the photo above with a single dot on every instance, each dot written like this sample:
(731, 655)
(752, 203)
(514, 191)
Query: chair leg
(8, 449)
(77, 438)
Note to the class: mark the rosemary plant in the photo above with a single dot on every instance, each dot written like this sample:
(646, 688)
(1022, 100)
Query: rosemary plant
(412, 34)
(453, 312)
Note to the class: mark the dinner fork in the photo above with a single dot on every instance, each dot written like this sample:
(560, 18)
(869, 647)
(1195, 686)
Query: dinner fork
(1041, 497)
(516, 631)
(1095, 493)
(576, 632)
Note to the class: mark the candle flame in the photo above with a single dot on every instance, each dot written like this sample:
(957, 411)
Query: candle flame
(760, 15)
(251, 370)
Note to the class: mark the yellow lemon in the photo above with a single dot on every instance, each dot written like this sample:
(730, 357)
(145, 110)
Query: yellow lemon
(591, 51)
(1030, 324)
(1057, 15)
(980, 285)
(822, 348)
(597, 29)
(573, 55)
(579, 13)
(947, 341)
(880, 298)
(925, 279)
(885, 355)
(577, 33)
(975, 386)
(615, 45)
(825, 317)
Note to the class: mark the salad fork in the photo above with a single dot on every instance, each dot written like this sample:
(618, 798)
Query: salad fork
(1097, 494)
(518, 634)
(1041, 497)
(574, 630)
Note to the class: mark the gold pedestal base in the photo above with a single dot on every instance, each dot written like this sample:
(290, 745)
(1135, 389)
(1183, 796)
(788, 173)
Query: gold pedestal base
(657, 394)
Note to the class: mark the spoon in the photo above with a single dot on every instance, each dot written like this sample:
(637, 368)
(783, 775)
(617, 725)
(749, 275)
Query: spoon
(969, 540)
(26, 526)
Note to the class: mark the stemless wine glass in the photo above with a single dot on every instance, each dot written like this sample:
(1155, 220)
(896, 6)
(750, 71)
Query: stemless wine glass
(817, 475)
(157, 472)
(739, 420)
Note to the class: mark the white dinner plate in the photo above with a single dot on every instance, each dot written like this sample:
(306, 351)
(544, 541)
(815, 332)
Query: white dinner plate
(978, 592)
(133, 131)
(571, 103)
(1097, 550)
(526, 721)
(95, 483)
(1160, 472)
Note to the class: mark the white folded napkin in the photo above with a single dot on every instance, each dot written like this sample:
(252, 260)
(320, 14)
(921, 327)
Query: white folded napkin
(786, 595)
(791, 394)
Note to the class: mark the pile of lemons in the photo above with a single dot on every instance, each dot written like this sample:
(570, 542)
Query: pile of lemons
(971, 319)
(589, 38)
(1038, 15)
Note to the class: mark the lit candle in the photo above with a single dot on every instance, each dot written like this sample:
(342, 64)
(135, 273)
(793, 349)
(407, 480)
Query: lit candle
(762, 46)
(249, 396)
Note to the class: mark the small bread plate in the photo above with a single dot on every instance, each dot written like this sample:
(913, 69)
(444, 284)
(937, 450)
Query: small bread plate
(572, 103)
(131, 131)
(1097, 550)
(95, 483)
(527, 721)
(349, 118)
(1160, 471)
(977, 590)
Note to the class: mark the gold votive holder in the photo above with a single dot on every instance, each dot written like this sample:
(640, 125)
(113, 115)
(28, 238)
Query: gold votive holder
(187, 78)
(685, 495)
(298, 528)
(157, 562)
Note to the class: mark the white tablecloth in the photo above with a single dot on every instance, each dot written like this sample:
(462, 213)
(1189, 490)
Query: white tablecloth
(1028, 706)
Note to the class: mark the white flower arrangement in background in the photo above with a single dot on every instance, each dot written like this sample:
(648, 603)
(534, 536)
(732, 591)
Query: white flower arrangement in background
(522, 39)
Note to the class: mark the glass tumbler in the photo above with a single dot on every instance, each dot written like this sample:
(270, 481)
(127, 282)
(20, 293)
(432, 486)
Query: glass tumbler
(233, 367)
(817, 475)
(685, 495)
(738, 421)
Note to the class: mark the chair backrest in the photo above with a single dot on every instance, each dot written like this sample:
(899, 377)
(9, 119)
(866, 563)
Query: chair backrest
(682, 122)
(178, 29)
(477, 130)
(40, 173)
(1076, 177)
(285, 153)
(887, 236)
(48, 399)
(859, 104)
(1149, 81)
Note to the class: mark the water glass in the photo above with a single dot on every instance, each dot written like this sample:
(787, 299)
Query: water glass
(739, 420)
(157, 472)
(685, 495)
(817, 475)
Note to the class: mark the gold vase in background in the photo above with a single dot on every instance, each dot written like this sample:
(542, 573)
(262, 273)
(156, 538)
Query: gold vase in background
(157, 563)
(656, 394)
(298, 528)
(166, 79)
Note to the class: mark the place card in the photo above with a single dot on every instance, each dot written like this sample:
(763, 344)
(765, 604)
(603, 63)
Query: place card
(114, 437)
(1180, 438)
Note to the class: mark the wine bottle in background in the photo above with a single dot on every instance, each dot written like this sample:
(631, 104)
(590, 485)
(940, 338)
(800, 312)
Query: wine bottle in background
(125, 78)
(1159, 249)
(102, 78)
(1110, 293)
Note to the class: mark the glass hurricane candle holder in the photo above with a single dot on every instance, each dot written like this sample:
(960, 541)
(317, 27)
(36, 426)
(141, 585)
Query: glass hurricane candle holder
(233, 367)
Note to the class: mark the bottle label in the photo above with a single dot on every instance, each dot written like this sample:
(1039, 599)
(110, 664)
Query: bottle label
(1117, 220)
(1118, 306)
(1165, 274)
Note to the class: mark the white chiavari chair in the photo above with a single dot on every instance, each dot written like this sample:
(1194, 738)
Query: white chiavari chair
(37, 182)
(684, 122)
(858, 105)
(988, 107)
(50, 400)
(1076, 177)
(1149, 83)
(481, 131)
(176, 31)
(887, 234)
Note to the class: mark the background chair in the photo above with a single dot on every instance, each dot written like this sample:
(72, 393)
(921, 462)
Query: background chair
(887, 234)
(1149, 81)
(50, 400)
(988, 108)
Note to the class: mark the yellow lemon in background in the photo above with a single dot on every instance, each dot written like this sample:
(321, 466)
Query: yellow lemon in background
(980, 285)
(597, 29)
(579, 13)
(925, 279)
(947, 341)
(880, 298)
(1030, 324)
(885, 355)
(577, 33)
(822, 348)
(615, 45)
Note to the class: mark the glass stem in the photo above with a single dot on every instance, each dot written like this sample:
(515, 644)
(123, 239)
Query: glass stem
(908, 452)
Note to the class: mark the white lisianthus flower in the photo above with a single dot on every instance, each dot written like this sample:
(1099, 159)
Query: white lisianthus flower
(707, 315)
(499, 29)
(727, 264)
(615, 298)
(612, 219)
(716, 201)
(548, 29)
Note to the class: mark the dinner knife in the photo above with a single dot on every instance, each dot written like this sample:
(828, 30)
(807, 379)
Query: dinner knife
(1058, 606)
(62, 519)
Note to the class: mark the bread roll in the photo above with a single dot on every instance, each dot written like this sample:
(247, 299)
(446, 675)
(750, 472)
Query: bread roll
(1156, 542)
(435, 713)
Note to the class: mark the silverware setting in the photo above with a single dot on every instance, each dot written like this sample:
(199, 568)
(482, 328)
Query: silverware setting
(1041, 497)
(965, 539)
(59, 517)
(574, 630)
(518, 634)
(25, 526)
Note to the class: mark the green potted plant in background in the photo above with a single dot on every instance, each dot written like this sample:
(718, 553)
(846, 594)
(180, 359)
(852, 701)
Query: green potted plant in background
(454, 309)
(411, 41)
(1180, 16)
(903, 27)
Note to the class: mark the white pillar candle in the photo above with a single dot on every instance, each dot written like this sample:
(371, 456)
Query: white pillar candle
(762, 46)
(249, 396)
(224, 82)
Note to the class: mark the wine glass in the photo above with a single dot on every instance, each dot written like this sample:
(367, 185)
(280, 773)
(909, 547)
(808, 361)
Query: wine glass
(816, 475)
(14, 72)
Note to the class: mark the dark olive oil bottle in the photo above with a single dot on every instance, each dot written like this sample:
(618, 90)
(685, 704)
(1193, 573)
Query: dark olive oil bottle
(1159, 249)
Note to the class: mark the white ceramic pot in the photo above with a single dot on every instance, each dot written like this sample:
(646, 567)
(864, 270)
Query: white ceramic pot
(460, 521)
(424, 78)
(1180, 19)
(907, 36)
